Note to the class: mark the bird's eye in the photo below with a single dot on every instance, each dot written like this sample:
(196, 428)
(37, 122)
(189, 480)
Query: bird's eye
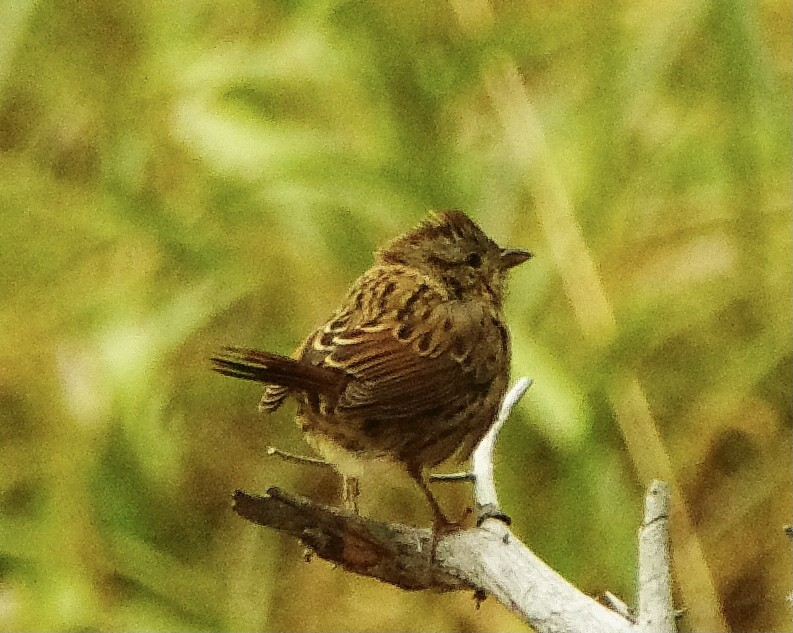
(474, 260)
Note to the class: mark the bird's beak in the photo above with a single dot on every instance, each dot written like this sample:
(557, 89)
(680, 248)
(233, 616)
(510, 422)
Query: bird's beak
(511, 257)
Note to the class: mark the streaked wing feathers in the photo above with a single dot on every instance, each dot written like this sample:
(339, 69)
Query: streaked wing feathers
(393, 380)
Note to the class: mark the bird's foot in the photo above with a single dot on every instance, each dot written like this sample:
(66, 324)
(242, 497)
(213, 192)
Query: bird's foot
(491, 511)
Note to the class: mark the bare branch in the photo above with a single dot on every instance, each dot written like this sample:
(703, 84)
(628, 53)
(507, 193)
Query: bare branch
(485, 494)
(394, 553)
(656, 610)
(489, 559)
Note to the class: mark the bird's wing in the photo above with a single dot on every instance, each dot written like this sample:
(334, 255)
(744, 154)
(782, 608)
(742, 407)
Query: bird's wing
(393, 380)
(418, 372)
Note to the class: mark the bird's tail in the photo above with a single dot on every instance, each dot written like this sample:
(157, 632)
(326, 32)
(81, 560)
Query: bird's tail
(274, 369)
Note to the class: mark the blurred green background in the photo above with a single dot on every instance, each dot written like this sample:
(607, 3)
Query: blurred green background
(179, 176)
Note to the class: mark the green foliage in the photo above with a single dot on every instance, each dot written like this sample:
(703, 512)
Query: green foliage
(179, 176)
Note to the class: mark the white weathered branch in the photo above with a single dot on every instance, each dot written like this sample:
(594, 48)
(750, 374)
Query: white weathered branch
(656, 610)
(487, 558)
(482, 460)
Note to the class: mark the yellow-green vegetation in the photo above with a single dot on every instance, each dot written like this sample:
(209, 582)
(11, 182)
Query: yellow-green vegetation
(178, 176)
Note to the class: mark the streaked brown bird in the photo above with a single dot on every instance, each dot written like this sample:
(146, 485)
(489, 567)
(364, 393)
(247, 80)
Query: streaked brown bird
(412, 366)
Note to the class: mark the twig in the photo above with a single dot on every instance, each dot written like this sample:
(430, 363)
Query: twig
(444, 477)
(296, 459)
(656, 609)
(617, 605)
(482, 460)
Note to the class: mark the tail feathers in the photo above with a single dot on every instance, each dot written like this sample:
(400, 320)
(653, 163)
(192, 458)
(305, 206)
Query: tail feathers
(274, 369)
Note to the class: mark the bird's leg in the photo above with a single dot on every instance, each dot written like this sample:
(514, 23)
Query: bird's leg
(350, 493)
(439, 520)
(349, 485)
(440, 523)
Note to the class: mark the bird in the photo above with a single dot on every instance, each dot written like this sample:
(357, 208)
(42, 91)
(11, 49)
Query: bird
(413, 364)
